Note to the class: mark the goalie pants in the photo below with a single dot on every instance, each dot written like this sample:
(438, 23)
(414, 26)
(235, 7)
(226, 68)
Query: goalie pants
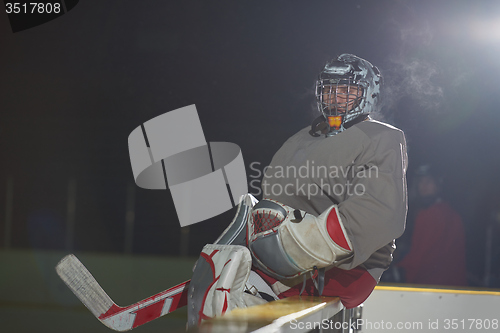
(352, 286)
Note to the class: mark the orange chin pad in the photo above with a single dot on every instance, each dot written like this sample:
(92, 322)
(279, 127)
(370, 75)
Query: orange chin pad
(335, 122)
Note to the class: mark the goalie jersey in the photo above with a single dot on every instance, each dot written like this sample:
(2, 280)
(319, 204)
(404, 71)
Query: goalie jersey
(362, 170)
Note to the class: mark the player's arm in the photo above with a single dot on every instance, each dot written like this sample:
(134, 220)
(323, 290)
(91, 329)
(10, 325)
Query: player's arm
(374, 213)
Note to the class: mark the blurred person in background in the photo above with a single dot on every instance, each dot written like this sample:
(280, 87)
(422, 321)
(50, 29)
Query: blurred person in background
(436, 252)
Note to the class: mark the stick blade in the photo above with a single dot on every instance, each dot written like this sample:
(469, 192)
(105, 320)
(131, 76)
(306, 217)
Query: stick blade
(78, 278)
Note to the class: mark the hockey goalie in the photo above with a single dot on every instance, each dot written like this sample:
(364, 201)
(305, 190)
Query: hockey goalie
(334, 201)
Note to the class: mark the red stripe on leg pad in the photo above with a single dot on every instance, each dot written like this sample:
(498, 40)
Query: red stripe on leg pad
(335, 230)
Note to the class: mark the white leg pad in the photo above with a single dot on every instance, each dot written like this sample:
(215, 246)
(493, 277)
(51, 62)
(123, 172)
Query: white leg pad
(223, 289)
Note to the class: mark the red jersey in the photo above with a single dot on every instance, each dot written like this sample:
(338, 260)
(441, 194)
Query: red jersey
(437, 254)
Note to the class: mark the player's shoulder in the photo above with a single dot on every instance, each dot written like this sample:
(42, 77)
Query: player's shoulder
(303, 135)
(374, 128)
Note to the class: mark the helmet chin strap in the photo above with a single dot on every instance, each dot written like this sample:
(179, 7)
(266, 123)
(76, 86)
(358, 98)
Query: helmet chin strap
(318, 125)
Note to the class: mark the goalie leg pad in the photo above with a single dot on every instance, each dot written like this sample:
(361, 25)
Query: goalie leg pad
(218, 282)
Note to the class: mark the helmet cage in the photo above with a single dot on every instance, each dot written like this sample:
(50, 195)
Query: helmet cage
(328, 93)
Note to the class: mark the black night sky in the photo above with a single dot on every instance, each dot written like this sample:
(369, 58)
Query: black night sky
(73, 89)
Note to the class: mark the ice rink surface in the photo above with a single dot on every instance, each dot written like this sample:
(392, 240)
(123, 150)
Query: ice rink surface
(34, 299)
(33, 319)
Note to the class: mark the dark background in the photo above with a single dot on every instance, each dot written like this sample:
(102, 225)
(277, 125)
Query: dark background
(73, 89)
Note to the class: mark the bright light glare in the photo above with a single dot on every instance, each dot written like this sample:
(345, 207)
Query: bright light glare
(486, 30)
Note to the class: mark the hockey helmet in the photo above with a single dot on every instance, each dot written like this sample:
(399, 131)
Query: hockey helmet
(347, 88)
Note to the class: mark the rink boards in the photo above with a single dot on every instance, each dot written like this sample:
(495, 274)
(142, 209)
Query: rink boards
(293, 314)
(400, 308)
(422, 309)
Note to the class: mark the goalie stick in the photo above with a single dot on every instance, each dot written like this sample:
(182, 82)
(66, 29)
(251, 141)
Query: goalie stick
(90, 293)
(87, 289)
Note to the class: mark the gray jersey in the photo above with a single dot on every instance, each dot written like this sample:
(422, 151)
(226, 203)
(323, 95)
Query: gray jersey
(362, 170)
